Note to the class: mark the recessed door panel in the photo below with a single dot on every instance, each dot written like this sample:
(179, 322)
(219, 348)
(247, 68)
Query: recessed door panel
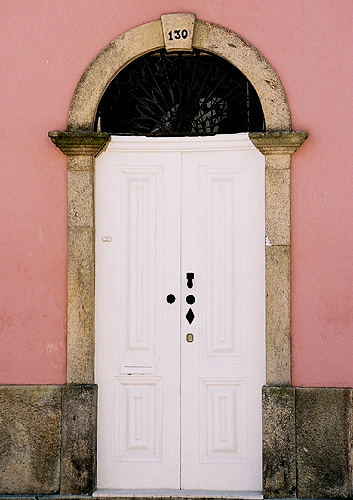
(137, 347)
(138, 429)
(180, 313)
(223, 368)
(141, 217)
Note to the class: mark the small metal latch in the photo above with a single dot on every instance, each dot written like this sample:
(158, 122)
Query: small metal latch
(189, 337)
(107, 239)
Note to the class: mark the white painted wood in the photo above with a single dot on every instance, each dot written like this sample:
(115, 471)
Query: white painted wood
(137, 331)
(204, 196)
(223, 369)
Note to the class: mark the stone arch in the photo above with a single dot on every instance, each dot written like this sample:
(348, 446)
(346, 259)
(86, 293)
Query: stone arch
(206, 36)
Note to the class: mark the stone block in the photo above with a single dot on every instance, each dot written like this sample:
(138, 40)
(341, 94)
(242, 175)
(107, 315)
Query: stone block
(30, 425)
(80, 334)
(323, 420)
(278, 345)
(277, 162)
(178, 31)
(79, 143)
(78, 451)
(20, 497)
(80, 163)
(278, 427)
(278, 206)
(80, 199)
(278, 143)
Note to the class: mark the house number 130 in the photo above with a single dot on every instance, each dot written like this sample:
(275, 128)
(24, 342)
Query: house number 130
(177, 34)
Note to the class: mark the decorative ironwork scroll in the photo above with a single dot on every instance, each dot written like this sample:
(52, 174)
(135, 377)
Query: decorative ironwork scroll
(178, 94)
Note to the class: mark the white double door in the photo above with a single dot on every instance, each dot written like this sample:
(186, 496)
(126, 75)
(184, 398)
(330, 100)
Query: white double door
(178, 410)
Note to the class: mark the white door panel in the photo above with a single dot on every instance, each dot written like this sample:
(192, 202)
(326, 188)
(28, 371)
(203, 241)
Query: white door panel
(137, 359)
(171, 207)
(223, 368)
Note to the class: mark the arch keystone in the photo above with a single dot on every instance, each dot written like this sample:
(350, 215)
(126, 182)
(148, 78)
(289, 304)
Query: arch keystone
(178, 31)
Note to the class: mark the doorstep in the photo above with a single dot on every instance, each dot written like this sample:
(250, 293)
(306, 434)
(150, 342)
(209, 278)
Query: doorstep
(177, 494)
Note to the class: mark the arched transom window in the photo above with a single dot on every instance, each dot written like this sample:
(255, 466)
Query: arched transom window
(179, 93)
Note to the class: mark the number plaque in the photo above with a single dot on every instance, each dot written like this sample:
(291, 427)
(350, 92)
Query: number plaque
(177, 34)
(178, 31)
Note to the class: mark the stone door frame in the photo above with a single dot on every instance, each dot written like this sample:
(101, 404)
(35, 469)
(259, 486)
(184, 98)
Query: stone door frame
(81, 145)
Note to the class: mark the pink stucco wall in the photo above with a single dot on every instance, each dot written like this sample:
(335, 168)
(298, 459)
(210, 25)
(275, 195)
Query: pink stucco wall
(46, 46)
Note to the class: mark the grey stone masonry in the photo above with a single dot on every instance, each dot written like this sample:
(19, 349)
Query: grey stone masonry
(323, 442)
(307, 442)
(278, 434)
(30, 428)
(78, 450)
(47, 439)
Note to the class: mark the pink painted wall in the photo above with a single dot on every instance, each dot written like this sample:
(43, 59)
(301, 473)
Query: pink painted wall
(46, 46)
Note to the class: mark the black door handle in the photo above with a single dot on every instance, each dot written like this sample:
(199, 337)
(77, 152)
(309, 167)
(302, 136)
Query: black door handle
(170, 298)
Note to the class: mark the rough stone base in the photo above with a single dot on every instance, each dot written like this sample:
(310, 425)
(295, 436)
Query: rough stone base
(323, 447)
(307, 442)
(79, 443)
(47, 439)
(278, 447)
(30, 422)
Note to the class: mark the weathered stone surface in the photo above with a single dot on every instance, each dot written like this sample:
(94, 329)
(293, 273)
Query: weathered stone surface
(100, 72)
(278, 142)
(80, 163)
(184, 24)
(20, 497)
(278, 344)
(30, 424)
(80, 328)
(78, 451)
(278, 206)
(79, 143)
(255, 67)
(80, 199)
(279, 460)
(277, 162)
(322, 421)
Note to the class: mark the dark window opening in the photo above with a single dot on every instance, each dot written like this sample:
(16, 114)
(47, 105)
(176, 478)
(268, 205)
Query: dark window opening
(178, 94)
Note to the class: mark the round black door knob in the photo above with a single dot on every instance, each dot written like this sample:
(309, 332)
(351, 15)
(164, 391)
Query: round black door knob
(190, 299)
(170, 298)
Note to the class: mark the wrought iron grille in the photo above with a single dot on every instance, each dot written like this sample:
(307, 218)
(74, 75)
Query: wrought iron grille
(179, 94)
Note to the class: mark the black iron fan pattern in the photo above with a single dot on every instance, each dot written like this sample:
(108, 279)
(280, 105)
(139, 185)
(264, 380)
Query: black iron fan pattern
(179, 94)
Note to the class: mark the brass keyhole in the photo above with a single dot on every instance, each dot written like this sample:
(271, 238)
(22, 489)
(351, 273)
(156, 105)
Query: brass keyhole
(189, 337)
